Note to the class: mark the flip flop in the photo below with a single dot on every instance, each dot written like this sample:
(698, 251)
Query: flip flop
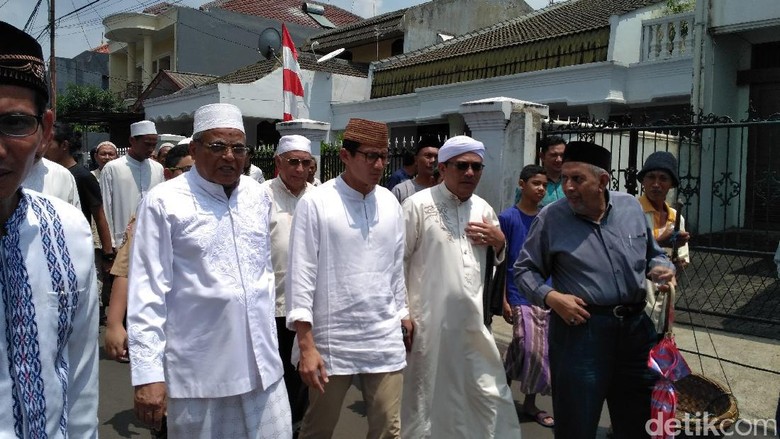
(540, 417)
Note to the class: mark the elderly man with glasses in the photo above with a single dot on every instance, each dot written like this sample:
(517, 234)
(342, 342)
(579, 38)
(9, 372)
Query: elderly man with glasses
(200, 299)
(455, 385)
(293, 160)
(345, 289)
(48, 292)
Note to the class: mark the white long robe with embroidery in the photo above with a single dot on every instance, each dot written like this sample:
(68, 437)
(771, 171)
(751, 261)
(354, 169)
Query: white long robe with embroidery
(48, 322)
(123, 183)
(454, 384)
(53, 179)
(345, 277)
(200, 310)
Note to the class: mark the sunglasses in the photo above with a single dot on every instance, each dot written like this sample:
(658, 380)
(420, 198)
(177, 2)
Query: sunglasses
(462, 166)
(182, 168)
(295, 162)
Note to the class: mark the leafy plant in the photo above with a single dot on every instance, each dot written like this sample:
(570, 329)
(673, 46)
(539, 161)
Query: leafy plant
(87, 98)
(679, 6)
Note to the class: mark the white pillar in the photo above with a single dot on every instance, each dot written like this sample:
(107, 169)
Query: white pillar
(146, 74)
(508, 128)
(130, 62)
(313, 130)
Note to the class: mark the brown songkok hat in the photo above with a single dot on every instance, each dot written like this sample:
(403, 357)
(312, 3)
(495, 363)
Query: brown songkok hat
(367, 133)
(587, 152)
(21, 60)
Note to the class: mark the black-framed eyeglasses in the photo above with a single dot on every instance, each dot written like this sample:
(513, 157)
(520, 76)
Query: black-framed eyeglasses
(295, 162)
(19, 124)
(372, 157)
(219, 148)
(182, 168)
(462, 166)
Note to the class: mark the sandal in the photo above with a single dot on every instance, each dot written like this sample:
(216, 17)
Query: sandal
(543, 418)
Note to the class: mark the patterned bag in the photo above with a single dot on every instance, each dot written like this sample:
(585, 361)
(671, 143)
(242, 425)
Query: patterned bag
(667, 361)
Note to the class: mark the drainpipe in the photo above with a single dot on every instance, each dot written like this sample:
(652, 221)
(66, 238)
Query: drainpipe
(702, 21)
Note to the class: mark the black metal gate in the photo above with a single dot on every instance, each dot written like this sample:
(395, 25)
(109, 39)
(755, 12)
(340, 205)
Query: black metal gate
(731, 203)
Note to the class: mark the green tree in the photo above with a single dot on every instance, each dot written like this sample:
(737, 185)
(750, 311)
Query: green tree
(679, 6)
(87, 98)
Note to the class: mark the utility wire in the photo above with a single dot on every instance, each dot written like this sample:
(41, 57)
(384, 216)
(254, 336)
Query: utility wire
(32, 16)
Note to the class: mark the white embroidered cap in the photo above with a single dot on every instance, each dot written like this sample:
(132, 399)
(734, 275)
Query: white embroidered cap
(213, 116)
(293, 142)
(458, 145)
(163, 145)
(185, 141)
(142, 128)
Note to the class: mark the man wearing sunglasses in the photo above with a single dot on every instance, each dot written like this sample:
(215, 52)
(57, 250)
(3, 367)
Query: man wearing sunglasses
(200, 296)
(448, 232)
(345, 289)
(48, 291)
(293, 160)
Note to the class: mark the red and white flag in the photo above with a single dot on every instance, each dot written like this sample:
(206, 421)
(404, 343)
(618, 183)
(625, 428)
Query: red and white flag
(291, 82)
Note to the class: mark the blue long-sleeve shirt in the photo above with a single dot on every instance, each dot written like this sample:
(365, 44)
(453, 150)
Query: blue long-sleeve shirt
(603, 263)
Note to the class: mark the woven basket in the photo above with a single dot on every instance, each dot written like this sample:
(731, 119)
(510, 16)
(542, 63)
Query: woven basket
(697, 394)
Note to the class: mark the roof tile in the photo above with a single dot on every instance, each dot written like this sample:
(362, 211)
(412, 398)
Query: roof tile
(557, 20)
(286, 11)
(306, 61)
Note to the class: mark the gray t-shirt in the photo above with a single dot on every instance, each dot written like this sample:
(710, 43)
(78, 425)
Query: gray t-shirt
(406, 189)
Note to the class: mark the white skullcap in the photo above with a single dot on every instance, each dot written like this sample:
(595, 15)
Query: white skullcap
(163, 145)
(185, 141)
(142, 128)
(458, 145)
(293, 142)
(211, 116)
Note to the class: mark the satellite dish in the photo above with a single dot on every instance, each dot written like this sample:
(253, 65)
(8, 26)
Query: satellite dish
(330, 55)
(269, 43)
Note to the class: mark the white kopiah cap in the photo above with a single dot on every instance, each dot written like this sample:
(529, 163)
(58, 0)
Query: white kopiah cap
(458, 145)
(293, 142)
(142, 128)
(211, 116)
(185, 141)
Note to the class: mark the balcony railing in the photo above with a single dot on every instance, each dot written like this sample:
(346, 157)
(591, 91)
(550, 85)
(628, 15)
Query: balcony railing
(667, 37)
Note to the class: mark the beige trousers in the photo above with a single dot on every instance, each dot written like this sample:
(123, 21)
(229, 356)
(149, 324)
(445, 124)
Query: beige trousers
(381, 392)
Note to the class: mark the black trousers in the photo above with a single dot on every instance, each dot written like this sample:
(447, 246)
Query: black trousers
(297, 392)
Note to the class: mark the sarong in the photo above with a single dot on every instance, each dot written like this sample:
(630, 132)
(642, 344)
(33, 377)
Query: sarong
(253, 415)
(526, 359)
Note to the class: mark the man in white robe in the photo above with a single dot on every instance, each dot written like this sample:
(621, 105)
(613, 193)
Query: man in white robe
(48, 296)
(53, 179)
(124, 181)
(201, 334)
(345, 289)
(292, 159)
(454, 384)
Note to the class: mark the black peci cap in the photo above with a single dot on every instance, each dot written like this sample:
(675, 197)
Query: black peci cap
(21, 60)
(588, 152)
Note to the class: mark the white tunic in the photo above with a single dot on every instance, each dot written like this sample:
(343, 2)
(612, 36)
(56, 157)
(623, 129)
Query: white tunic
(53, 179)
(52, 307)
(454, 384)
(256, 173)
(345, 276)
(123, 183)
(283, 204)
(200, 298)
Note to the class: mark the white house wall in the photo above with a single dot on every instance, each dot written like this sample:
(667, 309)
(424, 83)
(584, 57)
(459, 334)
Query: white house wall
(626, 34)
(741, 15)
(585, 84)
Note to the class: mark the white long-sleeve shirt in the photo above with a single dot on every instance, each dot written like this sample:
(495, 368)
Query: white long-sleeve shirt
(53, 179)
(283, 204)
(200, 300)
(345, 277)
(123, 183)
(48, 322)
